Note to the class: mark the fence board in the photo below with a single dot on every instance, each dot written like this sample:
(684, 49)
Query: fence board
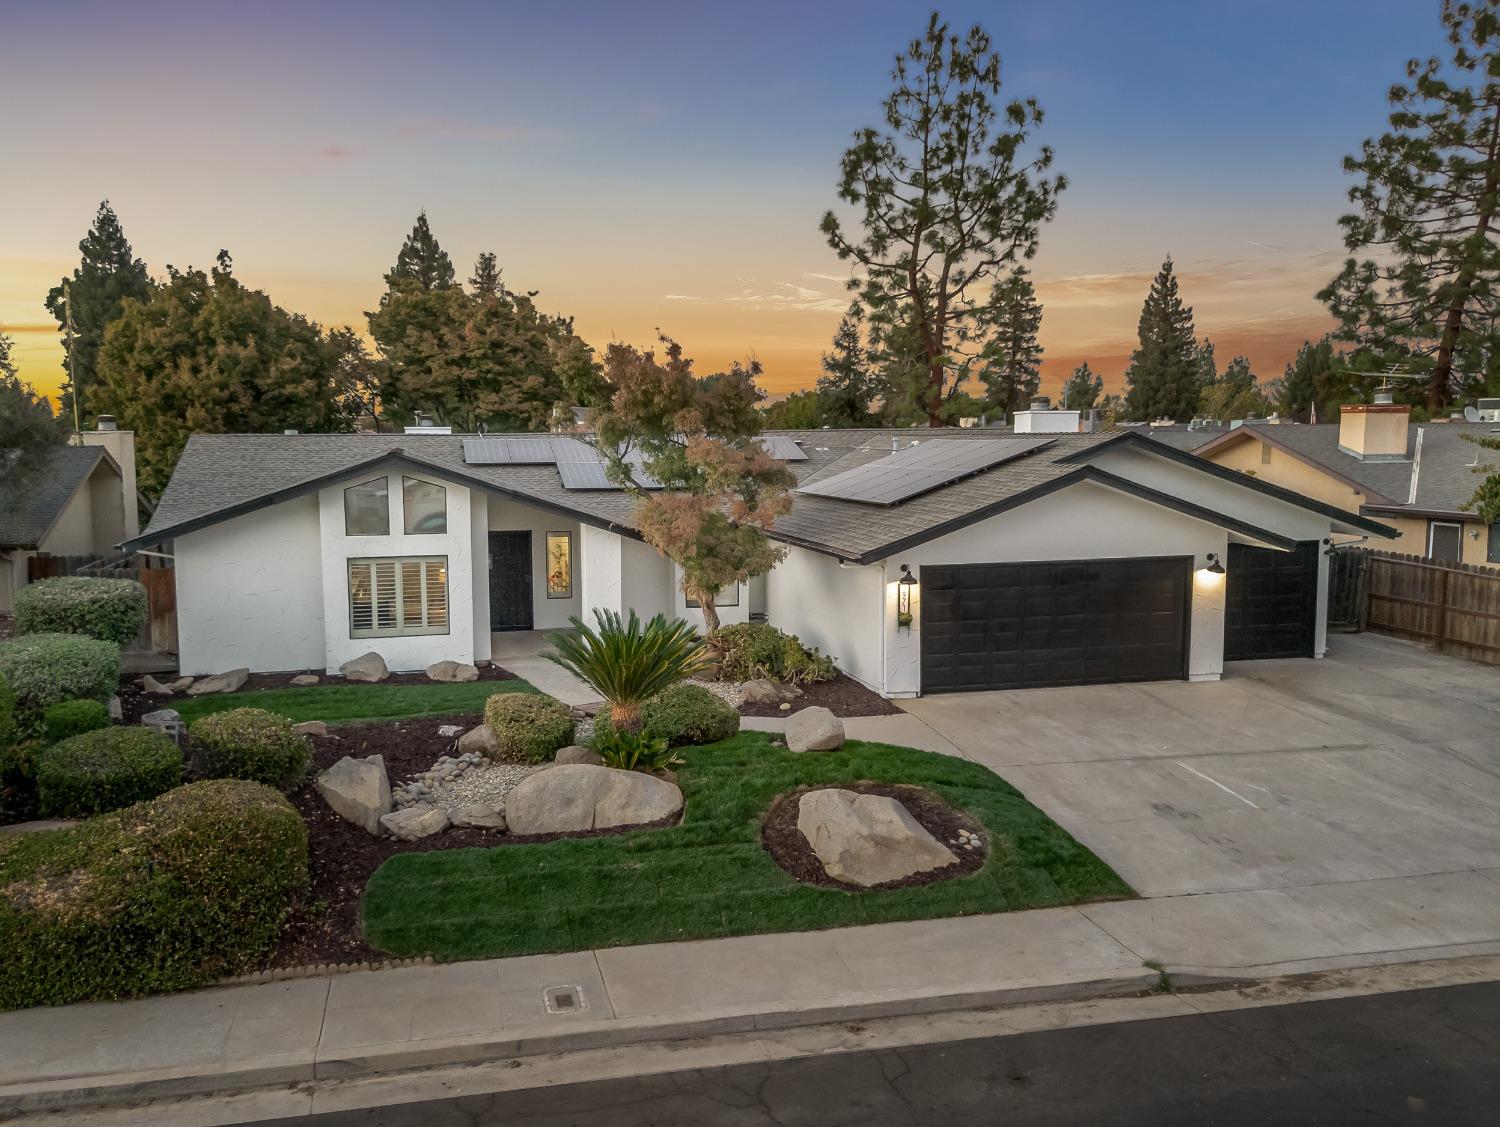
(1453, 607)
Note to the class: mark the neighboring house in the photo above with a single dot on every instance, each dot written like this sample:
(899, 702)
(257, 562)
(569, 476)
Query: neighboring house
(1183, 436)
(1415, 477)
(1034, 560)
(73, 505)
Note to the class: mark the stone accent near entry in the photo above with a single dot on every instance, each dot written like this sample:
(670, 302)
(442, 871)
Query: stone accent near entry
(452, 671)
(302, 680)
(867, 839)
(415, 822)
(365, 667)
(231, 682)
(359, 790)
(479, 740)
(478, 815)
(765, 691)
(814, 729)
(577, 754)
(578, 796)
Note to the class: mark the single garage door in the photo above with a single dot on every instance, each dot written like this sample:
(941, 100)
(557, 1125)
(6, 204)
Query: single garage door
(1076, 622)
(1270, 602)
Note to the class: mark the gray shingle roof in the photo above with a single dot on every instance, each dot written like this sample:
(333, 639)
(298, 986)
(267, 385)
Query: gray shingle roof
(1179, 435)
(1451, 467)
(25, 519)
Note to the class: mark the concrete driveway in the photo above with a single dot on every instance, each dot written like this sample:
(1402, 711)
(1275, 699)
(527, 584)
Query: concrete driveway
(1380, 761)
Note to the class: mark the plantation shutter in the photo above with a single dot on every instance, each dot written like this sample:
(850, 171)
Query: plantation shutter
(398, 596)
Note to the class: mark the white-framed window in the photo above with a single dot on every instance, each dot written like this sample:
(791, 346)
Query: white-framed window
(1445, 541)
(424, 507)
(398, 595)
(727, 597)
(367, 509)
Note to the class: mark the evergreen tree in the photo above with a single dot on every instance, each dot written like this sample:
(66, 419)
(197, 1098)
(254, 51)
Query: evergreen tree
(846, 390)
(1208, 372)
(1299, 384)
(27, 427)
(1010, 364)
(1235, 395)
(486, 279)
(107, 275)
(422, 260)
(949, 199)
(1426, 214)
(802, 410)
(1082, 390)
(1163, 379)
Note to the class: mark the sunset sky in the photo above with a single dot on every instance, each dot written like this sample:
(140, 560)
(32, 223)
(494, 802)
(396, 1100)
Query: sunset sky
(666, 164)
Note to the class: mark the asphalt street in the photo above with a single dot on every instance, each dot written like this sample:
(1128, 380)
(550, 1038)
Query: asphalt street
(1420, 1057)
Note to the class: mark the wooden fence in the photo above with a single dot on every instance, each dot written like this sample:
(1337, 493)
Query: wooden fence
(159, 635)
(1453, 607)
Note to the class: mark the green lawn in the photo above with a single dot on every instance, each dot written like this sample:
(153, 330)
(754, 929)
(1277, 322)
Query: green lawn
(709, 876)
(351, 704)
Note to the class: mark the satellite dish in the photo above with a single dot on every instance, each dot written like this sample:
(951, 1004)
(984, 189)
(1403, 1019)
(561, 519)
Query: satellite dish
(1471, 414)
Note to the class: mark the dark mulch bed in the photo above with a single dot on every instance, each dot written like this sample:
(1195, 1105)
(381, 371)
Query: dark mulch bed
(487, 672)
(790, 849)
(843, 696)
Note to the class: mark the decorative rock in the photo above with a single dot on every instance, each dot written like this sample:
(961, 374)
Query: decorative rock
(765, 691)
(867, 839)
(161, 716)
(452, 671)
(116, 709)
(576, 754)
(366, 667)
(358, 789)
(415, 822)
(580, 796)
(814, 729)
(448, 731)
(479, 740)
(181, 684)
(151, 685)
(785, 706)
(230, 682)
(478, 815)
(304, 679)
(311, 728)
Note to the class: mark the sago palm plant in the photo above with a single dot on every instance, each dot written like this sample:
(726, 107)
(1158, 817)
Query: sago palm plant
(627, 663)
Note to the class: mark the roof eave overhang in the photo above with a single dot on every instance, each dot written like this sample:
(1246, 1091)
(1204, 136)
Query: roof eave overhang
(1423, 513)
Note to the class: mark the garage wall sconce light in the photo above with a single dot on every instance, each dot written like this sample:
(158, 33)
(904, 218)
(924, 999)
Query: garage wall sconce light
(904, 587)
(1214, 566)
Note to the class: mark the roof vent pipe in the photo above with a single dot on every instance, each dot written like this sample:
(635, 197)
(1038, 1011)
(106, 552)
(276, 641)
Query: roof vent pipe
(1041, 403)
(105, 422)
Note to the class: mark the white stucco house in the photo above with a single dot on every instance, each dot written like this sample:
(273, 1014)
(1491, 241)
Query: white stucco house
(922, 561)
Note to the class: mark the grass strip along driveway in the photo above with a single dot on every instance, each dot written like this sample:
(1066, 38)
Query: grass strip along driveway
(709, 876)
(351, 704)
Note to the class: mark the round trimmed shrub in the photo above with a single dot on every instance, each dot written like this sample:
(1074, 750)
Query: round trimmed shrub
(750, 650)
(528, 727)
(73, 718)
(112, 610)
(105, 770)
(164, 895)
(683, 714)
(249, 743)
(44, 669)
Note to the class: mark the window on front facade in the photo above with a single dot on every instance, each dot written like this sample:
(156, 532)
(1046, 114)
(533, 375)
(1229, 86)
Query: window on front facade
(425, 507)
(367, 509)
(1265, 453)
(398, 595)
(728, 597)
(1445, 542)
(559, 565)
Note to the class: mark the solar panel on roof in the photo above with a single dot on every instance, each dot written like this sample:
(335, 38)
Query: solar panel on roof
(784, 447)
(921, 468)
(528, 450)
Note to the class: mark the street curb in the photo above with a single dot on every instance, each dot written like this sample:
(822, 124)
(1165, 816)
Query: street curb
(1222, 976)
(96, 1091)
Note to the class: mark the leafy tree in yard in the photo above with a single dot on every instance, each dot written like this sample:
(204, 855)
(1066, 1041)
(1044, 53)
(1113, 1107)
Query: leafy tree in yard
(204, 354)
(422, 260)
(1235, 395)
(1010, 364)
(360, 378)
(27, 428)
(1426, 210)
(1083, 388)
(108, 274)
(847, 389)
(1164, 377)
(950, 200)
(801, 410)
(720, 488)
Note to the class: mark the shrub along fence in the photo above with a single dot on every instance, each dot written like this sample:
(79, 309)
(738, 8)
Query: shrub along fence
(1453, 607)
(159, 635)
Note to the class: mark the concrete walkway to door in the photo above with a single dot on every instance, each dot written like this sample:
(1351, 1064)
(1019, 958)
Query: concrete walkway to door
(524, 652)
(1293, 810)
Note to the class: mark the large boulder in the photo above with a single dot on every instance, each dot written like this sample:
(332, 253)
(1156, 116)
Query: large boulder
(452, 671)
(302, 680)
(581, 796)
(365, 667)
(311, 728)
(814, 729)
(231, 682)
(358, 789)
(577, 754)
(763, 690)
(477, 815)
(480, 740)
(415, 822)
(867, 839)
(156, 688)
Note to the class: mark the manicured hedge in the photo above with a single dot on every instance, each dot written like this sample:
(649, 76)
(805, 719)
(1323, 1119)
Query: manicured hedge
(7, 715)
(682, 715)
(112, 610)
(73, 718)
(105, 770)
(528, 727)
(43, 669)
(751, 650)
(249, 743)
(164, 895)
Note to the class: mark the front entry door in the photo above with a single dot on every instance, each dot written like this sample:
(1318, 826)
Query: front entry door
(510, 581)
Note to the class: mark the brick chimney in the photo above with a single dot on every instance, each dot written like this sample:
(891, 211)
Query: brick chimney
(1374, 432)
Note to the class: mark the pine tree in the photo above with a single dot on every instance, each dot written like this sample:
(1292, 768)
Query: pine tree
(486, 279)
(27, 427)
(846, 390)
(1011, 361)
(422, 260)
(1426, 215)
(1235, 395)
(1208, 372)
(107, 276)
(1164, 374)
(1082, 390)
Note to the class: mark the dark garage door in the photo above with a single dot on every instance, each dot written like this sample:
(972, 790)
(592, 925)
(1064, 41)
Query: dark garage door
(1083, 622)
(1271, 602)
